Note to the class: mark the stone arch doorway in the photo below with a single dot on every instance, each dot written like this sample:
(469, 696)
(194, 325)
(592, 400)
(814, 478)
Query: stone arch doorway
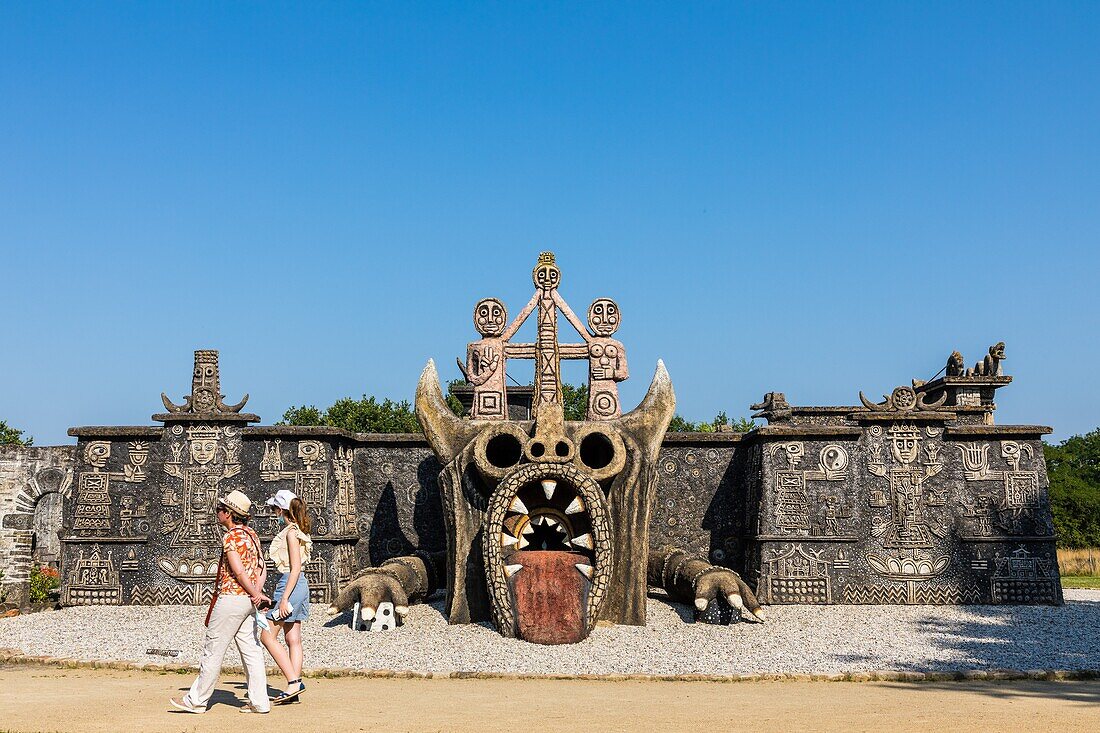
(35, 523)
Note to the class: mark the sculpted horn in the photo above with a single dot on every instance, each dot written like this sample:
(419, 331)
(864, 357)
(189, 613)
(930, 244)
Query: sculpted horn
(654, 413)
(932, 405)
(232, 408)
(446, 432)
(174, 408)
(872, 405)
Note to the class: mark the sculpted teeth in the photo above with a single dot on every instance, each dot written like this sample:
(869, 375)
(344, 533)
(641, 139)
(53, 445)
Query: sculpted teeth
(511, 570)
(507, 539)
(585, 540)
(548, 488)
(522, 543)
(585, 570)
(517, 506)
(575, 507)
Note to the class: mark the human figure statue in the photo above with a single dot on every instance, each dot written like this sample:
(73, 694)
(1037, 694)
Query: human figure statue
(606, 360)
(485, 358)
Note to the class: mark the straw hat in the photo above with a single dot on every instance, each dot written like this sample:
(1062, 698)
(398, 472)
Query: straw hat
(237, 502)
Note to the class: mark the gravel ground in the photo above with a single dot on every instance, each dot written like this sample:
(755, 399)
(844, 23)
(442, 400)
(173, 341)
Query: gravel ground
(795, 639)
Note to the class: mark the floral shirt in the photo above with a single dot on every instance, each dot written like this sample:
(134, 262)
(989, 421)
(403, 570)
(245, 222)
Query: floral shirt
(246, 544)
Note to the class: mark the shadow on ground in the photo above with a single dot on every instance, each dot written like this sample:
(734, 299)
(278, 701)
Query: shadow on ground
(1005, 637)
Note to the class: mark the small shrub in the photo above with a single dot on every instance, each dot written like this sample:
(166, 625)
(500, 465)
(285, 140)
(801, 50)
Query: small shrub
(43, 580)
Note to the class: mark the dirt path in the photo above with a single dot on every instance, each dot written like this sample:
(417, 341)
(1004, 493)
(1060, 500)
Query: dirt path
(48, 699)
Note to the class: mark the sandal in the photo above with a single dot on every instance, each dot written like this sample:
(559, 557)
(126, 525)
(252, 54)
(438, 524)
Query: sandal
(284, 697)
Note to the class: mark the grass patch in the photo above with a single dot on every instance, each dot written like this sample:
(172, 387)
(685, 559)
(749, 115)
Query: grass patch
(1081, 581)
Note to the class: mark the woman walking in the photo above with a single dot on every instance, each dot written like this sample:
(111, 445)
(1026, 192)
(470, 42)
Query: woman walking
(290, 551)
(232, 613)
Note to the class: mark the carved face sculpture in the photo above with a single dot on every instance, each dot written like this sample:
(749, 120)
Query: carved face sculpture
(203, 450)
(204, 382)
(603, 317)
(547, 539)
(489, 317)
(547, 276)
(905, 444)
(97, 452)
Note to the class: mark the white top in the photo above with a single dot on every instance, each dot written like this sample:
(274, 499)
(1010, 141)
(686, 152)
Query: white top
(280, 553)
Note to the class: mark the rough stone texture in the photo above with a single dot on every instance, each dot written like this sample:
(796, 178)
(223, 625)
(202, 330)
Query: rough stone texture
(907, 510)
(32, 481)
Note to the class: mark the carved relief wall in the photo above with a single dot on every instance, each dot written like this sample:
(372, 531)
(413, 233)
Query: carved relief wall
(905, 512)
(917, 499)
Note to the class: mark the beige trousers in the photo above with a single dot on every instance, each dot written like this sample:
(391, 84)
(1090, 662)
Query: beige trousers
(231, 620)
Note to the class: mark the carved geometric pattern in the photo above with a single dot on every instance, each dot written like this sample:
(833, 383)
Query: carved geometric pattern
(170, 595)
(875, 594)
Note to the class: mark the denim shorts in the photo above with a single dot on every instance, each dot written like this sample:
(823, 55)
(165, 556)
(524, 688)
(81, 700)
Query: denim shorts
(299, 598)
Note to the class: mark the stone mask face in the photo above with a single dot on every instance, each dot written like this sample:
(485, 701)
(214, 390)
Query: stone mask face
(603, 317)
(489, 317)
(547, 277)
(203, 450)
(518, 493)
(905, 448)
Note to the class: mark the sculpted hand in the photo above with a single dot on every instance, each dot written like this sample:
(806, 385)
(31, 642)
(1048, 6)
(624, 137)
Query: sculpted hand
(371, 589)
(728, 585)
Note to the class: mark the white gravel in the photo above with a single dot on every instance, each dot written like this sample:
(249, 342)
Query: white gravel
(795, 639)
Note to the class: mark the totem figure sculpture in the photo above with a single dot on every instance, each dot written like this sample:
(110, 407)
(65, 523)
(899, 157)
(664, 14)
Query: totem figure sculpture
(606, 360)
(548, 523)
(485, 359)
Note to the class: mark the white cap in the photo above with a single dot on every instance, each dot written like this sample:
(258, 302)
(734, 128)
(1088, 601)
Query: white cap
(282, 499)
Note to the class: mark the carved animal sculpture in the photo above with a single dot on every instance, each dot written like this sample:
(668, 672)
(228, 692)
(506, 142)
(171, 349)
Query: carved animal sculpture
(956, 367)
(990, 366)
(547, 524)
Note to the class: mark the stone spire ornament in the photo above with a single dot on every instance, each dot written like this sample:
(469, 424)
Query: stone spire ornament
(205, 401)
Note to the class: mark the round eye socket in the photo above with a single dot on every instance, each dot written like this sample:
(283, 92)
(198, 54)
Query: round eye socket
(597, 451)
(503, 451)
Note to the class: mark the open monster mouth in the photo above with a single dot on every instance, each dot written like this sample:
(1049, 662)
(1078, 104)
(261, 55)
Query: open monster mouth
(548, 553)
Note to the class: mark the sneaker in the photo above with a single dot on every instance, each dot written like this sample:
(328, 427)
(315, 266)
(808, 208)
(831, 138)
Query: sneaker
(250, 708)
(185, 706)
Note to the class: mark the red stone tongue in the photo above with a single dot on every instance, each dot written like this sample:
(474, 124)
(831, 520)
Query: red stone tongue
(550, 596)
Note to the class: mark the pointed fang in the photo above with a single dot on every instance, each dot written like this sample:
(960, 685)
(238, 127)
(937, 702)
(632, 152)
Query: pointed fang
(575, 507)
(528, 530)
(585, 570)
(549, 486)
(517, 506)
(522, 543)
(511, 570)
(507, 539)
(585, 540)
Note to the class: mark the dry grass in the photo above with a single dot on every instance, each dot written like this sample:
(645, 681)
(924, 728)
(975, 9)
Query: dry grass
(1083, 562)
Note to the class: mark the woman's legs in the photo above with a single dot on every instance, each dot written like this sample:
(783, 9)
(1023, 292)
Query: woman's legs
(270, 639)
(292, 632)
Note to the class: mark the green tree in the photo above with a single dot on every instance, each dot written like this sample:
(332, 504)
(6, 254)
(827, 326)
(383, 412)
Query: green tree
(574, 401)
(720, 423)
(13, 436)
(1074, 470)
(304, 415)
(365, 415)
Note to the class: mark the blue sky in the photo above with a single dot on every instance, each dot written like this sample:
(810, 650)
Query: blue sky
(810, 198)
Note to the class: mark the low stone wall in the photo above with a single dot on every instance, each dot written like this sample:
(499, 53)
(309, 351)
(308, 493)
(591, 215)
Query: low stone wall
(839, 508)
